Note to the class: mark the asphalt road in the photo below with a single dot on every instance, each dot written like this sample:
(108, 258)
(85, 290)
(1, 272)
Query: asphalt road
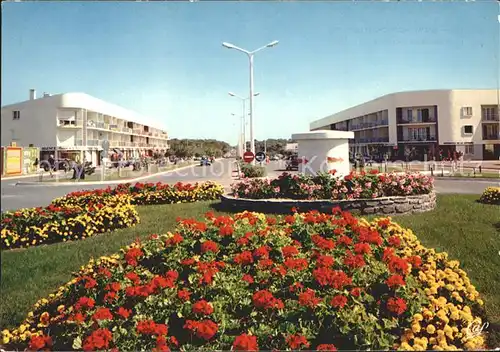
(15, 197)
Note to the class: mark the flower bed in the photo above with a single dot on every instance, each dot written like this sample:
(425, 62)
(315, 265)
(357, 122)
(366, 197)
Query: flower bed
(326, 186)
(304, 281)
(36, 226)
(491, 195)
(148, 193)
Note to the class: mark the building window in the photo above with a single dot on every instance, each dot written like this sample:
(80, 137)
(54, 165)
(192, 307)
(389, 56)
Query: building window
(16, 115)
(467, 111)
(469, 149)
(409, 115)
(468, 129)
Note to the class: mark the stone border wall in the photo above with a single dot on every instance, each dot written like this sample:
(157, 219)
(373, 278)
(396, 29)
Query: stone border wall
(381, 206)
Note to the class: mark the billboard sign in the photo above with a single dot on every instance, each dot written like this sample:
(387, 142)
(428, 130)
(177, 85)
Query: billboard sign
(13, 162)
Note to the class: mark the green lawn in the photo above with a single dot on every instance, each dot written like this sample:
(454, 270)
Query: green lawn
(467, 230)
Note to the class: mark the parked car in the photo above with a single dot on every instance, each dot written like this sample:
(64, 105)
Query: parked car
(292, 163)
(205, 161)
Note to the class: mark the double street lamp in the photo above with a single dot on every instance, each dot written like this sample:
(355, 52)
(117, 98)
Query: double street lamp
(250, 55)
(243, 120)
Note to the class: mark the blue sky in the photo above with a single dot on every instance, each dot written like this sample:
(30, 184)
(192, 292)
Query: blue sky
(165, 59)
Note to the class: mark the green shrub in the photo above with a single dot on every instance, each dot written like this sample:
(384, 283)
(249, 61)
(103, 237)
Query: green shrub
(251, 171)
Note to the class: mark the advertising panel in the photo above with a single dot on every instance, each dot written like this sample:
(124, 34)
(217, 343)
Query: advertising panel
(29, 157)
(14, 159)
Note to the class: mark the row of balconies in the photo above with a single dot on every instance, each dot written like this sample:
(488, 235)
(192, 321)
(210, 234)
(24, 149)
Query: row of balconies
(369, 125)
(409, 121)
(372, 140)
(96, 143)
(424, 138)
(110, 127)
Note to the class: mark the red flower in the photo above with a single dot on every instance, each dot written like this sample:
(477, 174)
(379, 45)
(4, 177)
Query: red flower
(354, 261)
(175, 239)
(206, 329)
(132, 255)
(261, 252)
(38, 342)
(398, 265)
(396, 305)
(362, 248)
(244, 258)
(84, 302)
(326, 347)
(133, 277)
(356, 291)
(102, 314)
(323, 243)
(296, 287)
(203, 307)
(395, 281)
(149, 327)
(384, 223)
(289, 251)
(125, 313)
(415, 261)
(325, 261)
(297, 341)
(344, 240)
(265, 299)
(394, 241)
(339, 301)
(209, 246)
(188, 262)
(89, 282)
(98, 340)
(209, 215)
(373, 171)
(245, 342)
(290, 219)
(309, 299)
(298, 264)
(248, 278)
(226, 230)
(183, 295)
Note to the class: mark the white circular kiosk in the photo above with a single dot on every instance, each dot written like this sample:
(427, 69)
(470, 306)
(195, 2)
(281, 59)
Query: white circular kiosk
(323, 151)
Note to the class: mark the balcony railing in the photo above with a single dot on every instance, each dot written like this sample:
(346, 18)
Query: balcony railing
(491, 137)
(407, 121)
(490, 118)
(364, 125)
(418, 139)
(372, 140)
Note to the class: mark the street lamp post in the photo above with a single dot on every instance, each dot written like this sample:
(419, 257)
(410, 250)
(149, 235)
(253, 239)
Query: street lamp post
(240, 150)
(250, 55)
(243, 118)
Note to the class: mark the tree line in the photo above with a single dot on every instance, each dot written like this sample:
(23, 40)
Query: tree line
(185, 148)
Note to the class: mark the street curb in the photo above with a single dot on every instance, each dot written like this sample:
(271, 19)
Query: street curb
(8, 178)
(60, 184)
(466, 178)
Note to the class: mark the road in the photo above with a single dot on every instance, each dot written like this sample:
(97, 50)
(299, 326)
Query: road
(15, 197)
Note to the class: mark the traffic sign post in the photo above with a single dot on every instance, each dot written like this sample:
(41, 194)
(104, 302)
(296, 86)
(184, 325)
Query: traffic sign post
(248, 157)
(260, 157)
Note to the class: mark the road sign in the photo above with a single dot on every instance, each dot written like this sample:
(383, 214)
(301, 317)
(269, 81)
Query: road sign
(248, 157)
(260, 156)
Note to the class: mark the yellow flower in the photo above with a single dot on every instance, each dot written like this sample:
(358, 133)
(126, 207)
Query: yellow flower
(431, 329)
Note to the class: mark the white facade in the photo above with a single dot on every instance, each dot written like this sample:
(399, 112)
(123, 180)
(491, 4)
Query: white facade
(77, 123)
(429, 121)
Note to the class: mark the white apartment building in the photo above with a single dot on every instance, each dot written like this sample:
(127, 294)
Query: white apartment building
(418, 123)
(74, 125)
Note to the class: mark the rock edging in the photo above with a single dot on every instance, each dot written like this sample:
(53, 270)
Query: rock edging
(383, 206)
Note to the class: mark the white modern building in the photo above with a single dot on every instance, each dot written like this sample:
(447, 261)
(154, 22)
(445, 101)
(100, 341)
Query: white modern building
(418, 123)
(74, 125)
